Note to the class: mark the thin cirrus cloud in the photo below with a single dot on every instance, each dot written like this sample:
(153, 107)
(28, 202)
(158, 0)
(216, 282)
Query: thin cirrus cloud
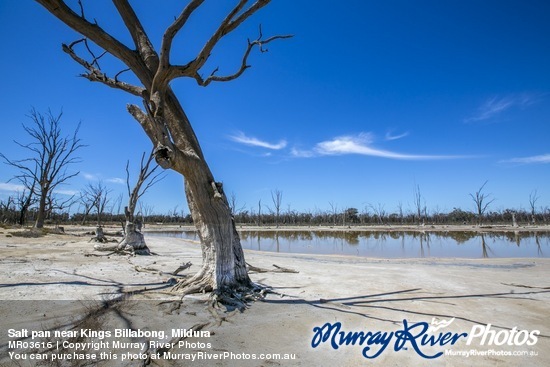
(495, 106)
(11, 187)
(390, 136)
(116, 180)
(89, 176)
(361, 144)
(254, 142)
(97, 177)
(536, 159)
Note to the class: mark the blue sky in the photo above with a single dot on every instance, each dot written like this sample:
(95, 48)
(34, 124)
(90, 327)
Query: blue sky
(367, 100)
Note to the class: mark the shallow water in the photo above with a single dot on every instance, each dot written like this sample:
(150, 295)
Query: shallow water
(397, 244)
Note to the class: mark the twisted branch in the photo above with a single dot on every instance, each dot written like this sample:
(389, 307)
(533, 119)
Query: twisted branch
(96, 75)
(258, 42)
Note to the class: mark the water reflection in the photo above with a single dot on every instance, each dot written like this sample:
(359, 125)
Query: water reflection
(394, 244)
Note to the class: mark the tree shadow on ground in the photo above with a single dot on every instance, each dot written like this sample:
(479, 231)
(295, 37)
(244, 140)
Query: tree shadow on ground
(95, 282)
(358, 305)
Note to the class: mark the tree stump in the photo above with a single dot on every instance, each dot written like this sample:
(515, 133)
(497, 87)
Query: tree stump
(133, 241)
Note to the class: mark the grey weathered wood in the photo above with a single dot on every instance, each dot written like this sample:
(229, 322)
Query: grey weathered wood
(168, 127)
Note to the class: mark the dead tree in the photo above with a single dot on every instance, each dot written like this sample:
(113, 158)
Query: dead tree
(168, 126)
(277, 198)
(533, 198)
(51, 155)
(235, 208)
(25, 199)
(57, 204)
(97, 195)
(87, 202)
(482, 201)
(133, 238)
(259, 213)
(418, 204)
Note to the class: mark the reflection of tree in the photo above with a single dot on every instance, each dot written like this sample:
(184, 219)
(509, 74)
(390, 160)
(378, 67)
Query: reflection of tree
(352, 238)
(537, 241)
(461, 237)
(424, 237)
(485, 249)
(515, 236)
(395, 235)
(343, 240)
(306, 236)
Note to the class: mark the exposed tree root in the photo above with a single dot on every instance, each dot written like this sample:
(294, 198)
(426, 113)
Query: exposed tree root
(237, 297)
(198, 283)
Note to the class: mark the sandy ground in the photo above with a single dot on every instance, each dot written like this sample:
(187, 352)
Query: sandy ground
(52, 282)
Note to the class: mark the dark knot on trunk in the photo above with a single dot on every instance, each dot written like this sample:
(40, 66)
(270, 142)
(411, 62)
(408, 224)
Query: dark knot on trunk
(163, 156)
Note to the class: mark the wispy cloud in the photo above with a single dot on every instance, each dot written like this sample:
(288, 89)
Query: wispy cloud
(300, 153)
(90, 176)
(390, 136)
(361, 144)
(536, 159)
(98, 176)
(252, 141)
(11, 187)
(116, 180)
(20, 188)
(497, 105)
(66, 192)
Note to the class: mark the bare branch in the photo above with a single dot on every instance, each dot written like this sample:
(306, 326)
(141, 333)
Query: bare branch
(120, 72)
(172, 30)
(166, 72)
(96, 75)
(482, 201)
(141, 40)
(222, 30)
(81, 9)
(144, 182)
(162, 75)
(154, 130)
(101, 38)
(259, 42)
(52, 154)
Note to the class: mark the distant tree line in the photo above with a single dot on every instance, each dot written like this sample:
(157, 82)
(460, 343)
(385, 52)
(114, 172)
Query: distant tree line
(10, 214)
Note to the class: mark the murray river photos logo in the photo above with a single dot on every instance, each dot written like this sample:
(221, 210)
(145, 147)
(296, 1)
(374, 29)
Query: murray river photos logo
(418, 337)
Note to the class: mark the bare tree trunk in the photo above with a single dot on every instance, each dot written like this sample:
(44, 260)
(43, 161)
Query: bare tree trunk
(41, 214)
(169, 129)
(224, 266)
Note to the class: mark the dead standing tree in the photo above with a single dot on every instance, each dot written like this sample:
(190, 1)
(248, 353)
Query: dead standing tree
(277, 198)
(25, 199)
(482, 201)
(533, 198)
(168, 127)
(97, 195)
(133, 238)
(51, 155)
